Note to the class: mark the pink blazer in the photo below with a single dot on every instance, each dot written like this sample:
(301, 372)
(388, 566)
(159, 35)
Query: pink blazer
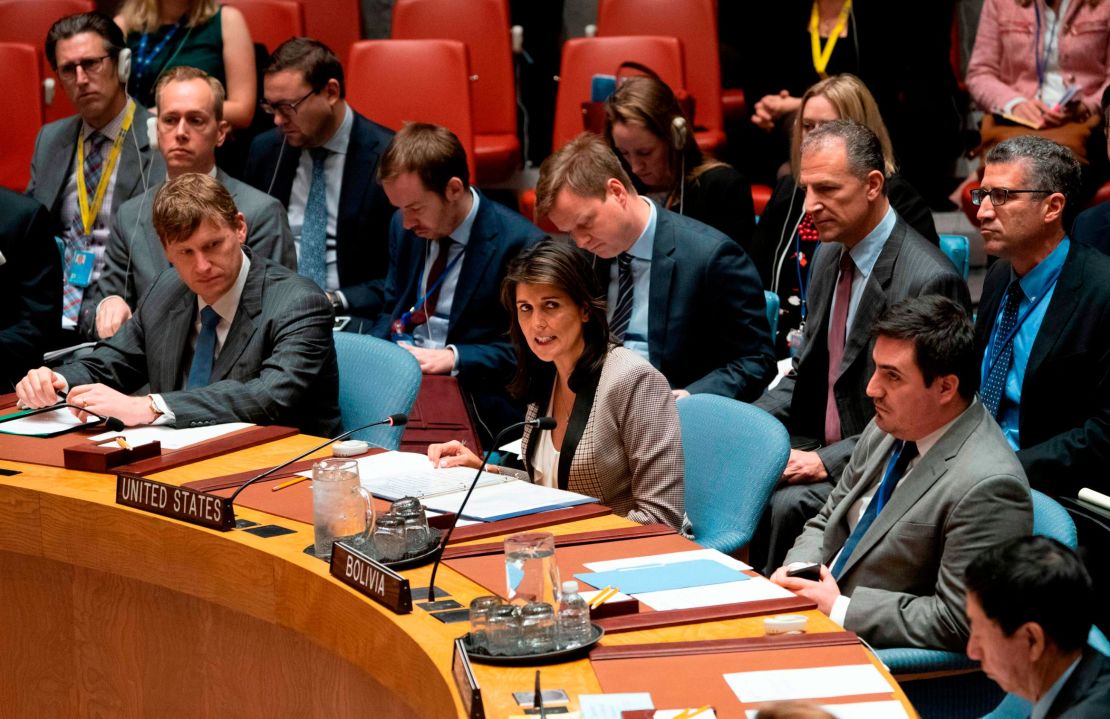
(1003, 65)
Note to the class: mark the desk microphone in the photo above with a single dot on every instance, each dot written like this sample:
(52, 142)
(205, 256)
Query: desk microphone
(393, 420)
(111, 423)
(538, 423)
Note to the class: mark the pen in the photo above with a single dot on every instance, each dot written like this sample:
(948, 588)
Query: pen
(290, 483)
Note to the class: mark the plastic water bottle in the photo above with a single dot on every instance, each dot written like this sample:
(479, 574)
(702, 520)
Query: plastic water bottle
(573, 622)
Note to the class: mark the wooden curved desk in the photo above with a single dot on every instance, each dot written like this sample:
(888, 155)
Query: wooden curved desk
(105, 610)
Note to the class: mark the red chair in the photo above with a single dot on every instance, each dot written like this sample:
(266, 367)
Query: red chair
(394, 82)
(19, 76)
(336, 23)
(694, 22)
(483, 25)
(28, 21)
(271, 22)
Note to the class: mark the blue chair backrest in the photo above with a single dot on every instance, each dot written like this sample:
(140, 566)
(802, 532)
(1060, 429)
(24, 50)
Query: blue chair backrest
(734, 455)
(956, 248)
(376, 379)
(772, 312)
(1050, 519)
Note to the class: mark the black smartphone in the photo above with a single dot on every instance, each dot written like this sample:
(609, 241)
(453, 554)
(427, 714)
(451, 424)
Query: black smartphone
(811, 572)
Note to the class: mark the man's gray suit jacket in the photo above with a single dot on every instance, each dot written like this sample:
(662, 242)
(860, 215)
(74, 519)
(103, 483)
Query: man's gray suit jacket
(905, 577)
(277, 365)
(907, 266)
(134, 256)
(140, 165)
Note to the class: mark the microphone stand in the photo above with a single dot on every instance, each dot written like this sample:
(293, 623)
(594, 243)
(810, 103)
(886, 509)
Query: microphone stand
(538, 423)
(393, 420)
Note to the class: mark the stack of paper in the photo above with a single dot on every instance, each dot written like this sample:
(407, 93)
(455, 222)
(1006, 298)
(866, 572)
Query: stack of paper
(814, 683)
(172, 437)
(46, 424)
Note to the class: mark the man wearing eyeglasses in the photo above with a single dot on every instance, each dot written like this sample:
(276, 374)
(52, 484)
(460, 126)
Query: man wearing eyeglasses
(321, 161)
(1044, 319)
(85, 166)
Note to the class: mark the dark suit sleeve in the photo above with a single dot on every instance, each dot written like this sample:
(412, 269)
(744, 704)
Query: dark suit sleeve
(115, 279)
(735, 295)
(1090, 227)
(271, 237)
(725, 203)
(391, 286)
(33, 272)
(118, 362)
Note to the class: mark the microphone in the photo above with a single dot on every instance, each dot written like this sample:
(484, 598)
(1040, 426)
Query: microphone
(393, 420)
(112, 423)
(538, 423)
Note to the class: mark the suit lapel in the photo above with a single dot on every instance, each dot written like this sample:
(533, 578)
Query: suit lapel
(134, 162)
(1078, 684)
(245, 325)
(873, 300)
(659, 293)
(179, 324)
(479, 250)
(1060, 309)
(362, 158)
(54, 173)
(583, 403)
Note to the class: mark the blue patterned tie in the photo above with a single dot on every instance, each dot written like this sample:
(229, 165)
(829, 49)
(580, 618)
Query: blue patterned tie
(314, 232)
(995, 381)
(900, 458)
(76, 240)
(200, 374)
(622, 311)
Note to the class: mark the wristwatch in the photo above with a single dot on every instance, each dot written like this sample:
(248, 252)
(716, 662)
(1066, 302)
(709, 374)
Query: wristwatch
(333, 297)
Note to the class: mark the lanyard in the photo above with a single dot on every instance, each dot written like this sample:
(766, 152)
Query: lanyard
(995, 348)
(1041, 58)
(821, 56)
(144, 58)
(89, 213)
(803, 282)
(439, 281)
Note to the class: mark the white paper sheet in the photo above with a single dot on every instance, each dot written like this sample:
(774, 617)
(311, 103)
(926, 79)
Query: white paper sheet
(392, 475)
(858, 710)
(753, 590)
(815, 683)
(507, 499)
(669, 558)
(43, 424)
(672, 713)
(513, 447)
(610, 706)
(172, 437)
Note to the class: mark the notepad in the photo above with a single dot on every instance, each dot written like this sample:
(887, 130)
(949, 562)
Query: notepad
(815, 683)
(661, 577)
(857, 710)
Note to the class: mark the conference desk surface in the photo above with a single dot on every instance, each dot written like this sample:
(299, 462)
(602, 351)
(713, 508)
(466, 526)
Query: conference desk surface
(112, 611)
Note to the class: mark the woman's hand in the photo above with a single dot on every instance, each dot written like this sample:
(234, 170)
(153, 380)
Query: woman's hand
(453, 454)
(771, 107)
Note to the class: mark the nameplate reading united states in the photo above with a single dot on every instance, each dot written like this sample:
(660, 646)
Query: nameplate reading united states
(370, 578)
(187, 505)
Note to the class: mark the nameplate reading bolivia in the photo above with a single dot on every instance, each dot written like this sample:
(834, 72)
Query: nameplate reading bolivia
(206, 510)
(370, 578)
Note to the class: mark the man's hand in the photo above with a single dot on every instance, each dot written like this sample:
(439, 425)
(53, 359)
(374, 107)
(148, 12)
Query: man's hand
(824, 591)
(804, 468)
(679, 393)
(432, 361)
(105, 401)
(39, 388)
(111, 313)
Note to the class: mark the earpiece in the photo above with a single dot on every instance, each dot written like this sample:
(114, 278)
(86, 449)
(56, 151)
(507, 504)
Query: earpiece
(679, 133)
(123, 65)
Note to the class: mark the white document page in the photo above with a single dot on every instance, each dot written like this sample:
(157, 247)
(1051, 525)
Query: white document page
(172, 437)
(392, 475)
(692, 712)
(858, 710)
(815, 683)
(46, 423)
(754, 589)
(610, 706)
(507, 499)
(670, 558)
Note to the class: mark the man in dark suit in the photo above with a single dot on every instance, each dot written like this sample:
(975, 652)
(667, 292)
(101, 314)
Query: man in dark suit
(450, 246)
(30, 285)
(931, 484)
(190, 127)
(1092, 226)
(1031, 605)
(1044, 319)
(109, 135)
(227, 337)
(868, 259)
(321, 162)
(681, 294)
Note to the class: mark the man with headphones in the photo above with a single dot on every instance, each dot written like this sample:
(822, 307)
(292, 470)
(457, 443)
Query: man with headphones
(86, 166)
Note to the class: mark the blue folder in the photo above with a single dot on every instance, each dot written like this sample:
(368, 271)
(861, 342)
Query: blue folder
(660, 577)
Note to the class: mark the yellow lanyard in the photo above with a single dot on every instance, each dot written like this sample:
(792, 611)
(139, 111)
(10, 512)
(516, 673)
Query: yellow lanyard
(89, 213)
(821, 57)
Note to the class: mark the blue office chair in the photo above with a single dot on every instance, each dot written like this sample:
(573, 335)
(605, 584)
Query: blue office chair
(772, 312)
(734, 455)
(957, 249)
(376, 379)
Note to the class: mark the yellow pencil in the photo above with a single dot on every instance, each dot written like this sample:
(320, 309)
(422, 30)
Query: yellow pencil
(122, 443)
(699, 711)
(599, 597)
(290, 483)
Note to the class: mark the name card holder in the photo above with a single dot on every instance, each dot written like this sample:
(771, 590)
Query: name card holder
(187, 505)
(469, 691)
(370, 578)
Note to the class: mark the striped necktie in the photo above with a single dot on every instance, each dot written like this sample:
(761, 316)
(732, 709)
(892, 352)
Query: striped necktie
(622, 310)
(76, 240)
(314, 232)
(995, 381)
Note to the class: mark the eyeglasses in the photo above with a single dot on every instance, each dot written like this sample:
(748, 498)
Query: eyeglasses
(89, 65)
(1000, 195)
(285, 109)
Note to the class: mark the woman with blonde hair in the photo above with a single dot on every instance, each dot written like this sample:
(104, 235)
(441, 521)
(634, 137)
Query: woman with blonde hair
(785, 237)
(648, 130)
(199, 33)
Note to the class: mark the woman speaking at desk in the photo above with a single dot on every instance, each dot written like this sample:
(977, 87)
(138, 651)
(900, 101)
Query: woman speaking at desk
(617, 436)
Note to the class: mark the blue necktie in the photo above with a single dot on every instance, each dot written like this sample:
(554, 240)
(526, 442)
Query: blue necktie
(900, 458)
(995, 382)
(314, 232)
(622, 311)
(200, 374)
